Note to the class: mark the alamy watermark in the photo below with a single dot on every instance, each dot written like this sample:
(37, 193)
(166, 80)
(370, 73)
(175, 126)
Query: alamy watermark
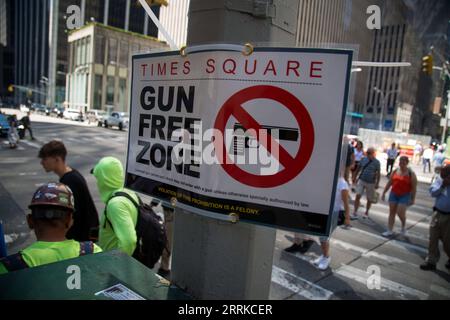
(374, 279)
(74, 280)
(74, 17)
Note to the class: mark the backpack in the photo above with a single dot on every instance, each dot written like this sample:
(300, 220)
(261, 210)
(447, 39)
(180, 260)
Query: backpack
(15, 261)
(150, 232)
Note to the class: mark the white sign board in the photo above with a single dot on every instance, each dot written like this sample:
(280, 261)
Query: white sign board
(257, 136)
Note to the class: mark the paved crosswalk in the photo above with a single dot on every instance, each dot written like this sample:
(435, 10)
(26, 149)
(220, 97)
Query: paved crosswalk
(354, 253)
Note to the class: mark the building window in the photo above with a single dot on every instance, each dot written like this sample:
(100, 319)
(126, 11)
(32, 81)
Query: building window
(99, 49)
(122, 94)
(77, 53)
(112, 51)
(88, 50)
(123, 56)
(110, 91)
(98, 80)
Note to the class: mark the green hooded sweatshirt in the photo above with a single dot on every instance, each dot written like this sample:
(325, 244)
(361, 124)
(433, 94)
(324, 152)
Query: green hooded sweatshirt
(122, 214)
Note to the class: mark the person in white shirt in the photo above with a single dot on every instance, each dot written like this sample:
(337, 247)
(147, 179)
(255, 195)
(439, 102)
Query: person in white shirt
(392, 155)
(427, 156)
(341, 203)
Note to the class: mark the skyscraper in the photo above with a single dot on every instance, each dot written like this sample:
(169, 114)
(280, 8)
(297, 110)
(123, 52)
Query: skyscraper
(41, 47)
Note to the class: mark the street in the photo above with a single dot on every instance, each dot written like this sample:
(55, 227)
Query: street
(354, 252)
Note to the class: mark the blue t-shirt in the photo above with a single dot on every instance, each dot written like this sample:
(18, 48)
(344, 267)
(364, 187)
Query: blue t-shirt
(369, 170)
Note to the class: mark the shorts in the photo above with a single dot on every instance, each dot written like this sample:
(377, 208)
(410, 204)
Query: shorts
(368, 187)
(403, 199)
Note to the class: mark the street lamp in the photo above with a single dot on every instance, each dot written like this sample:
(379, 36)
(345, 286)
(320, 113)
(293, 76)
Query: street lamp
(384, 101)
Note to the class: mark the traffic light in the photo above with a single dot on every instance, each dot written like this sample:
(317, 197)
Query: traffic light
(427, 64)
(11, 88)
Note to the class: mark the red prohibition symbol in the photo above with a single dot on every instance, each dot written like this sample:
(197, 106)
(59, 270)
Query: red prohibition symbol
(292, 166)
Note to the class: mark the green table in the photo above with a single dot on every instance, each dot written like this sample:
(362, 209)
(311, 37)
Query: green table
(98, 272)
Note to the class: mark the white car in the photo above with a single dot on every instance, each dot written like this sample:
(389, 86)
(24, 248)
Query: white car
(71, 114)
(117, 119)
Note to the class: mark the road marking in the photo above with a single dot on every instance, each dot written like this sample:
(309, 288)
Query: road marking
(27, 173)
(299, 285)
(367, 253)
(13, 160)
(397, 243)
(386, 285)
(440, 290)
(31, 144)
(409, 222)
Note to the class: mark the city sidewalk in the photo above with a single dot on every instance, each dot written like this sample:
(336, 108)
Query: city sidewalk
(35, 117)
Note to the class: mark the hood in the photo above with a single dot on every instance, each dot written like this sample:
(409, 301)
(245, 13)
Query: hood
(110, 177)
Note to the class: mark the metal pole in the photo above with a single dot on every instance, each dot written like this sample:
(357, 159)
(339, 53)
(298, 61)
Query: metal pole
(213, 259)
(382, 110)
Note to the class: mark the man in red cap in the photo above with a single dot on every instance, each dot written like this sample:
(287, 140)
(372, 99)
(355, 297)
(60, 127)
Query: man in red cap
(51, 207)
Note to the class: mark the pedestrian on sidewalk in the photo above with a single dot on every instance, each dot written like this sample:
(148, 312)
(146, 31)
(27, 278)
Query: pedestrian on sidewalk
(342, 207)
(359, 154)
(302, 243)
(368, 179)
(349, 161)
(52, 207)
(439, 158)
(164, 267)
(118, 222)
(392, 155)
(440, 221)
(12, 132)
(427, 156)
(418, 149)
(403, 194)
(53, 159)
(26, 121)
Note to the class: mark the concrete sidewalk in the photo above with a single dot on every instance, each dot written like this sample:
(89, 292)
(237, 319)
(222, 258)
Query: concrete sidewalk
(36, 117)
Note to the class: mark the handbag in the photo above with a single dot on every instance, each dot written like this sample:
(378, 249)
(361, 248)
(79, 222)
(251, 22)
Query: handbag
(376, 197)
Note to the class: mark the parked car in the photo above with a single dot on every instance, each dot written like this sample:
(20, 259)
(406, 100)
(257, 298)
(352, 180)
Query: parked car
(117, 119)
(40, 108)
(4, 125)
(58, 112)
(72, 114)
(96, 116)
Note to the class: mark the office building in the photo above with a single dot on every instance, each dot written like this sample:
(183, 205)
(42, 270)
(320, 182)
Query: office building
(98, 72)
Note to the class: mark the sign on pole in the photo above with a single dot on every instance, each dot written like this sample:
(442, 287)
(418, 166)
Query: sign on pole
(256, 136)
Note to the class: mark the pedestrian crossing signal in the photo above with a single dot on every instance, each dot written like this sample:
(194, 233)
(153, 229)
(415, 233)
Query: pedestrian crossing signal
(427, 64)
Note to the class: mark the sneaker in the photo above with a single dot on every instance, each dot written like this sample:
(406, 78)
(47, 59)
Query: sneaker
(354, 216)
(387, 234)
(428, 266)
(318, 260)
(305, 246)
(403, 232)
(294, 248)
(324, 263)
